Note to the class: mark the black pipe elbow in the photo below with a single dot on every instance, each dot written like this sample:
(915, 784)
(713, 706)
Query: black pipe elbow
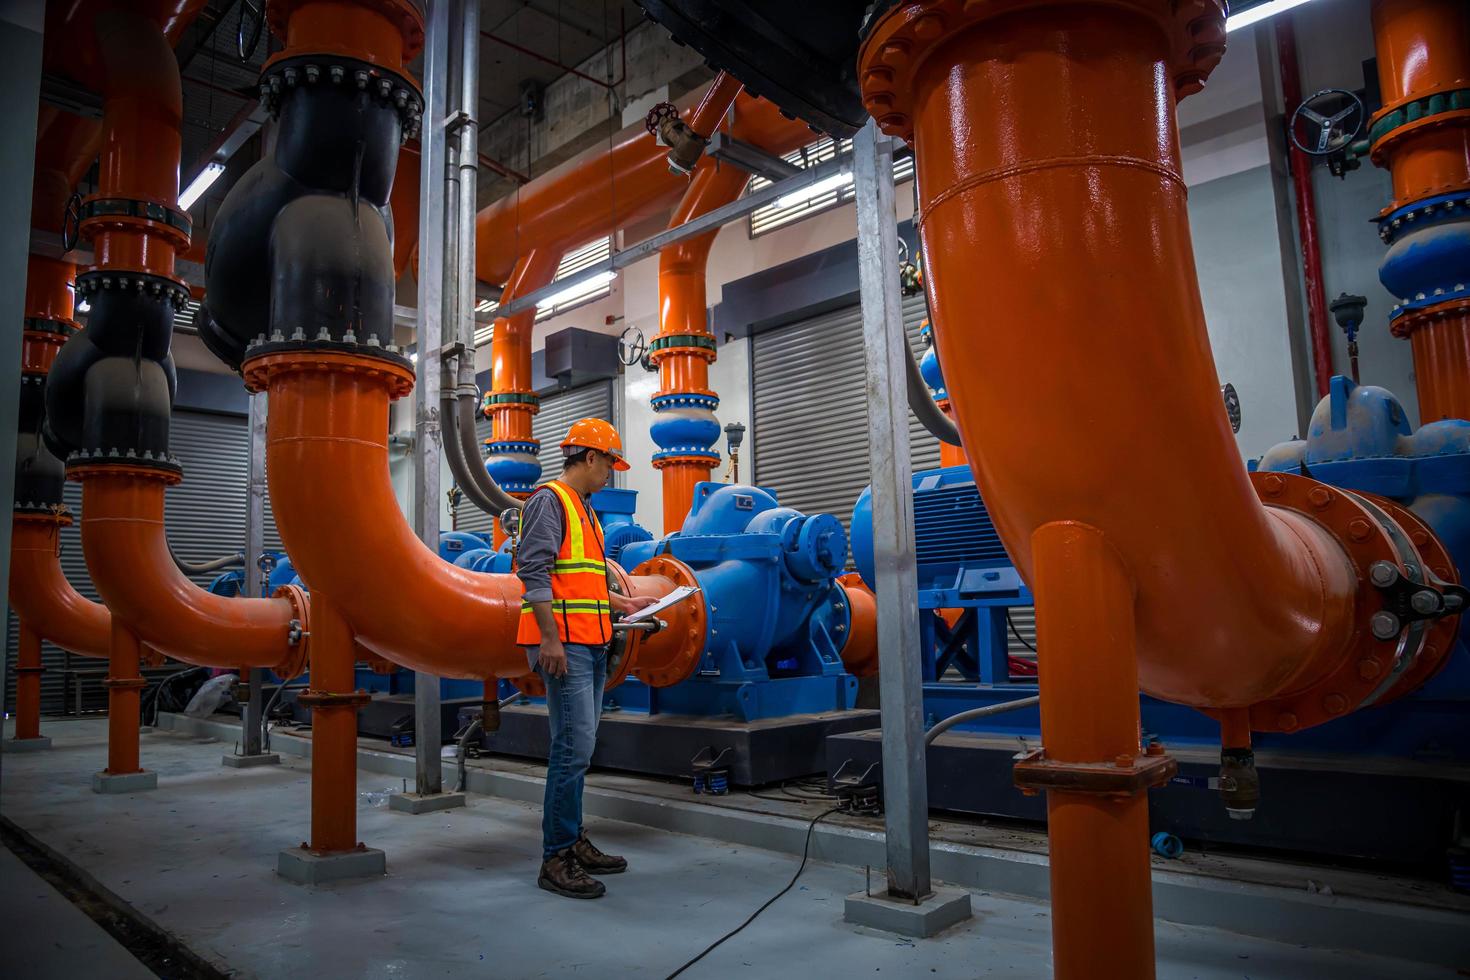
(39, 476)
(301, 254)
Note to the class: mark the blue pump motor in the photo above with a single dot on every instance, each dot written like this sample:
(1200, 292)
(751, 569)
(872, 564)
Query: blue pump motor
(777, 618)
(615, 510)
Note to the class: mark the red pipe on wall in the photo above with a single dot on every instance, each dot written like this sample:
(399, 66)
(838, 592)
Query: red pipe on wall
(1306, 211)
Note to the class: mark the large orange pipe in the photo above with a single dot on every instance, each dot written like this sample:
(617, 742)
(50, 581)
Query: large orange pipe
(327, 430)
(1237, 603)
(128, 558)
(41, 594)
(1423, 49)
(603, 190)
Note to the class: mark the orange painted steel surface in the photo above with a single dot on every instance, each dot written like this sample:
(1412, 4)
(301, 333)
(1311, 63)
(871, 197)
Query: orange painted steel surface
(1101, 902)
(403, 199)
(716, 101)
(28, 672)
(128, 558)
(389, 33)
(1237, 603)
(328, 428)
(334, 701)
(671, 655)
(604, 190)
(41, 595)
(860, 653)
(124, 690)
(1423, 49)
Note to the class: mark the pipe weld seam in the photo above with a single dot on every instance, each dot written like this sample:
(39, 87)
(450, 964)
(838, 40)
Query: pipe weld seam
(120, 520)
(1051, 163)
(346, 440)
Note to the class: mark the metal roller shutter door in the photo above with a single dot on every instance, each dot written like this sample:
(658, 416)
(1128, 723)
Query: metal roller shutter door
(205, 517)
(811, 421)
(549, 425)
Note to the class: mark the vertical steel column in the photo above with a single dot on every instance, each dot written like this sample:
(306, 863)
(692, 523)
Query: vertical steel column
(428, 774)
(253, 722)
(905, 782)
(468, 133)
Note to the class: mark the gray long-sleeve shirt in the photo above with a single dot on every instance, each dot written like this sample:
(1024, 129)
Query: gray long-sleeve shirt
(542, 529)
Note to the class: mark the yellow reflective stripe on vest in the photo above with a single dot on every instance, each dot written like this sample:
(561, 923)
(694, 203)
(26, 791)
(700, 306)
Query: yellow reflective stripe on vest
(574, 606)
(578, 565)
(574, 522)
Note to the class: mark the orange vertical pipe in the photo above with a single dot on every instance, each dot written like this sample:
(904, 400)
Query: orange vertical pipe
(124, 686)
(28, 671)
(512, 404)
(1089, 714)
(1423, 49)
(334, 702)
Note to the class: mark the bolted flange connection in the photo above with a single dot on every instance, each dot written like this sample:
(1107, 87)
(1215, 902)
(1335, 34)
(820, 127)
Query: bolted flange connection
(899, 41)
(672, 655)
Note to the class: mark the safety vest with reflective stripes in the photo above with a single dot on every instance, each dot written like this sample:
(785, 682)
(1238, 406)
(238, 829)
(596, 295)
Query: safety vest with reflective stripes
(579, 596)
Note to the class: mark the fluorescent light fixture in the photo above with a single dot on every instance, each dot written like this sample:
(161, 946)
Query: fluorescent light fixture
(85, 306)
(200, 184)
(486, 306)
(413, 356)
(813, 191)
(1260, 12)
(589, 285)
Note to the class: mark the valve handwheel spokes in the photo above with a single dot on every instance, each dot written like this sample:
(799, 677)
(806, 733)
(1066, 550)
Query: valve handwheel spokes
(1327, 122)
(631, 346)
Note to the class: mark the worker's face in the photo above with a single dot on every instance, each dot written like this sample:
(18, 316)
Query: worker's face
(602, 468)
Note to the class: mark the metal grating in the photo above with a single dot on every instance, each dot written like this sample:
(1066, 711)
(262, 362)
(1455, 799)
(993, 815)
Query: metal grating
(205, 517)
(550, 425)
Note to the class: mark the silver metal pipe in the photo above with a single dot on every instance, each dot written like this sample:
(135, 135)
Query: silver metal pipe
(985, 712)
(499, 500)
(252, 719)
(428, 770)
(219, 564)
(885, 349)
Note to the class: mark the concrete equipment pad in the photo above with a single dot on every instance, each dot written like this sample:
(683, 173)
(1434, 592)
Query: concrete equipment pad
(425, 803)
(460, 899)
(930, 916)
(305, 868)
(108, 783)
(251, 761)
(27, 744)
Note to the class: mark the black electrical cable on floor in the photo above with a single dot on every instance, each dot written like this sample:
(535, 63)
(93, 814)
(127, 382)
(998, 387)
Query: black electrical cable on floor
(805, 850)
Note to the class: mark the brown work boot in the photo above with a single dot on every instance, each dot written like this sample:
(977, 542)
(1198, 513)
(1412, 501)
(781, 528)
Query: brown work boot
(595, 861)
(563, 873)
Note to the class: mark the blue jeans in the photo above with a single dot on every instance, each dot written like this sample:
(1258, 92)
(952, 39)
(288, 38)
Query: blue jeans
(573, 705)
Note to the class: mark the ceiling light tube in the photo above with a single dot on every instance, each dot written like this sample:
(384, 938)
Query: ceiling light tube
(201, 183)
(1258, 13)
(813, 191)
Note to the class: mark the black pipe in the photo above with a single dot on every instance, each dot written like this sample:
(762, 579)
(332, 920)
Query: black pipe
(498, 498)
(454, 453)
(930, 416)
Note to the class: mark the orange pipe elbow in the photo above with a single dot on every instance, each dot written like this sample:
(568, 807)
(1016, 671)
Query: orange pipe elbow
(1237, 603)
(327, 455)
(128, 558)
(860, 652)
(41, 595)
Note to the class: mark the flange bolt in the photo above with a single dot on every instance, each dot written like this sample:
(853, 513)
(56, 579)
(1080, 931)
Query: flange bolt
(1385, 625)
(1383, 574)
(1425, 602)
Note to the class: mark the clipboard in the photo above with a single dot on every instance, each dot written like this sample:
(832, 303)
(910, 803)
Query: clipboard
(648, 612)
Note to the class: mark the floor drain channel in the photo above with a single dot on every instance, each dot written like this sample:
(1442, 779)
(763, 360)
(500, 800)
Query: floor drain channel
(153, 947)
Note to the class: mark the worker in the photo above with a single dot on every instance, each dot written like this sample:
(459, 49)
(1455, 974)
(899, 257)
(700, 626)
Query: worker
(566, 625)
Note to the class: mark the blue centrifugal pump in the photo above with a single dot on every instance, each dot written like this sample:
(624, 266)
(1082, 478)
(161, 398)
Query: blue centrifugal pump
(777, 618)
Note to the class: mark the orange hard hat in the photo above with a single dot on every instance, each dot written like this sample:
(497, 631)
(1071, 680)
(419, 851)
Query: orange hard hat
(595, 434)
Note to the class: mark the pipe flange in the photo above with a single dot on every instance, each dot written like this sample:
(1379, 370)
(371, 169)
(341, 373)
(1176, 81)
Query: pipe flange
(493, 399)
(85, 463)
(51, 325)
(398, 91)
(299, 638)
(1124, 777)
(686, 456)
(706, 400)
(1403, 321)
(898, 42)
(1424, 213)
(1415, 112)
(407, 15)
(1366, 660)
(501, 447)
(1437, 569)
(57, 515)
(124, 683)
(620, 648)
(264, 361)
(315, 699)
(164, 288)
(159, 217)
(690, 344)
(685, 647)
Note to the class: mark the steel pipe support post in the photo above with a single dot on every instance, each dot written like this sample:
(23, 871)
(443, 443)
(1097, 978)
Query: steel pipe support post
(124, 695)
(252, 720)
(905, 785)
(436, 280)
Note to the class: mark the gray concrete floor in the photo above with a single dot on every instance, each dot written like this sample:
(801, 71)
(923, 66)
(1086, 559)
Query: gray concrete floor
(197, 856)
